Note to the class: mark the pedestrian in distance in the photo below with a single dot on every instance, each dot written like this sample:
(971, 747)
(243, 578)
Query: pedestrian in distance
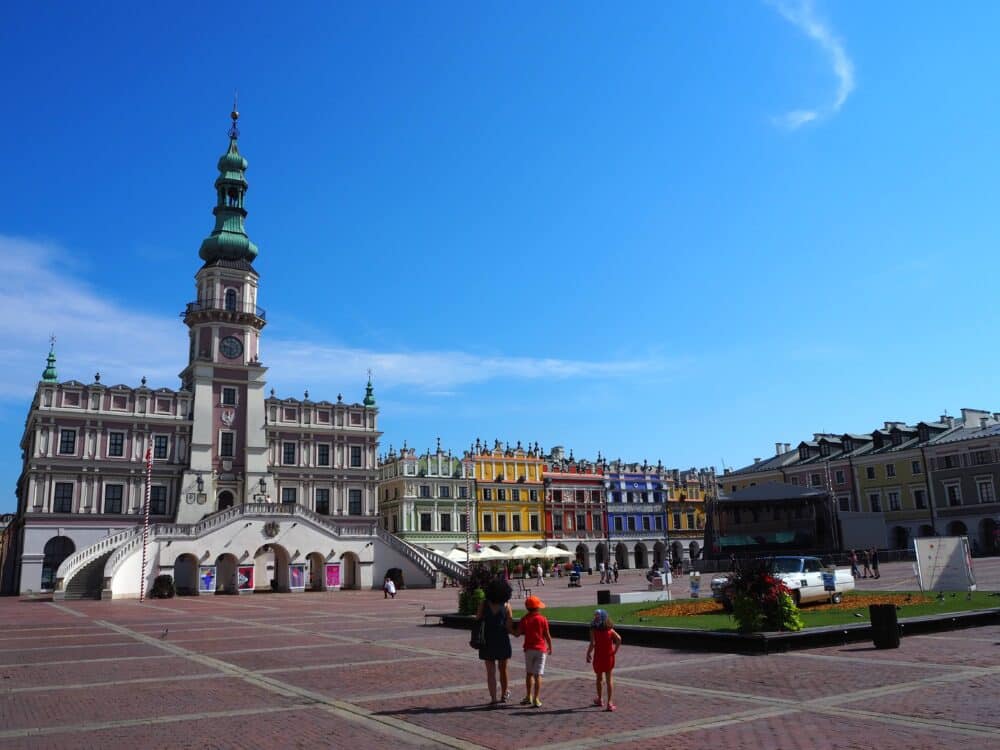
(534, 627)
(604, 644)
(874, 561)
(853, 557)
(614, 570)
(388, 588)
(866, 569)
(539, 575)
(600, 569)
(495, 650)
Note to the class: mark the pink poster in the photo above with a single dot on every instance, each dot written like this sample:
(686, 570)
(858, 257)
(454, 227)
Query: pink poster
(332, 575)
(297, 576)
(245, 578)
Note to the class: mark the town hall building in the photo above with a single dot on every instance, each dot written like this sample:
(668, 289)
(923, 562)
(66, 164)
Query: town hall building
(248, 492)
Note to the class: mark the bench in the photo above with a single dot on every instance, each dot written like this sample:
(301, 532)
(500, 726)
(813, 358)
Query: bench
(435, 616)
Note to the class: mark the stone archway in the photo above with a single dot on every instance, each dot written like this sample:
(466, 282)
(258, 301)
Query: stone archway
(641, 556)
(56, 550)
(317, 571)
(621, 555)
(270, 563)
(225, 574)
(350, 571)
(900, 537)
(676, 553)
(186, 575)
(225, 500)
(601, 554)
(957, 528)
(659, 551)
(989, 538)
(583, 556)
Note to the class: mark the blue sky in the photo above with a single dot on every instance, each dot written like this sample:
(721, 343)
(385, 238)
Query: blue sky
(659, 230)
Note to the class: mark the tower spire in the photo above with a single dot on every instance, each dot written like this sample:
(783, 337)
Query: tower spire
(229, 240)
(369, 399)
(49, 374)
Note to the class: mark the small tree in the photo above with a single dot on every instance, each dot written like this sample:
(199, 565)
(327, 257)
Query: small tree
(472, 594)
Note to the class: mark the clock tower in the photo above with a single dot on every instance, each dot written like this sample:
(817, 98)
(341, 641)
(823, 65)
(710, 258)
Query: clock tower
(228, 460)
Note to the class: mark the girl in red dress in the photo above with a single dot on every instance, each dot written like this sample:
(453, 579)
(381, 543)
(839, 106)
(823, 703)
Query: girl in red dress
(604, 644)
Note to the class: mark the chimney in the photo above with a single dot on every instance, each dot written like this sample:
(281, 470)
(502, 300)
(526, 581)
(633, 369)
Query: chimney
(971, 416)
(756, 460)
(788, 447)
(777, 449)
(983, 422)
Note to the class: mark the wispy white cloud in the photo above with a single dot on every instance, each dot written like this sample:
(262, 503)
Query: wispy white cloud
(802, 14)
(94, 331)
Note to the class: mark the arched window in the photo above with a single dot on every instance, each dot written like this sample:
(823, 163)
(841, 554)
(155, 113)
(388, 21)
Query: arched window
(231, 300)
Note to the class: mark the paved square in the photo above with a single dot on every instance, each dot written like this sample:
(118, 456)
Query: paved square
(353, 670)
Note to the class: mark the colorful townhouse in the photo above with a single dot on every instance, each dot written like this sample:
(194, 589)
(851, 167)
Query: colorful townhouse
(428, 499)
(965, 477)
(688, 494)
(509, 494)
(574, 513)
(636, 497)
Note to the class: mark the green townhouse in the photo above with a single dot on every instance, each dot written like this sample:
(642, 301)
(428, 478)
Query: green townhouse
(428, 499)
(893, 485)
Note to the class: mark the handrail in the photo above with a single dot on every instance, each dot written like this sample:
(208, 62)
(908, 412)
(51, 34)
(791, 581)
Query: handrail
(72, 564)
(235, 306)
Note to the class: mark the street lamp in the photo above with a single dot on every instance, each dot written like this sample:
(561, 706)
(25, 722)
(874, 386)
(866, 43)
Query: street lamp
(200, 482)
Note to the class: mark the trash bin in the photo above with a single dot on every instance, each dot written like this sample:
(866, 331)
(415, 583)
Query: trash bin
(885, 627)
(604, 596)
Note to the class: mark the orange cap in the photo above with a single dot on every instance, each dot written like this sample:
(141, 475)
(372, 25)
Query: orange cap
(533, 602)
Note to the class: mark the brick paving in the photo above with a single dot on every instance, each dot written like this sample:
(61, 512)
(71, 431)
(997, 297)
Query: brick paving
(353, 670)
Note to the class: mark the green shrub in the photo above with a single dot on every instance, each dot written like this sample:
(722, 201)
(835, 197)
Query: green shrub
(469, 601)
(760, 600)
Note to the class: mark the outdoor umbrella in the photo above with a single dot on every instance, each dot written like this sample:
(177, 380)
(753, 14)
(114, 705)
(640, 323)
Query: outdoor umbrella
(489, 554)
(456, 555)
(551, 553)
(523, 553)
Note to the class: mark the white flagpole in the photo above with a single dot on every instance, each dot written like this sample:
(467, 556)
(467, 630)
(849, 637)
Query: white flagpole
(145, 521)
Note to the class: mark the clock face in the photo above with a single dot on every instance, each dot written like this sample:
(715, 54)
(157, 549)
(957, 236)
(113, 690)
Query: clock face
(231, 347)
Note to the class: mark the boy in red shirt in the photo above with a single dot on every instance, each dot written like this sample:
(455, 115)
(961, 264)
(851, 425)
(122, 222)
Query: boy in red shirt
(537, 642)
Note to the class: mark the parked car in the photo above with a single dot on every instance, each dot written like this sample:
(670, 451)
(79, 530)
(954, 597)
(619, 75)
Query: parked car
(804, 577)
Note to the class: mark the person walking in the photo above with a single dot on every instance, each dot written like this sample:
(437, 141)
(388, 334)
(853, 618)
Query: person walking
(388, 588)
(614, 570)
(600, 569)
(539, 575)
(874, 561)
(604, 644)
(866, 569)
(853, 558)
(537, 643)
(495, 650)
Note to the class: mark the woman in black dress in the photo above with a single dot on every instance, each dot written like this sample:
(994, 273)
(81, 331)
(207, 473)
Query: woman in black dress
(496, 651)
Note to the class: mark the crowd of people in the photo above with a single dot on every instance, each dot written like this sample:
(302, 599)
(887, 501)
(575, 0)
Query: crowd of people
(868, 561)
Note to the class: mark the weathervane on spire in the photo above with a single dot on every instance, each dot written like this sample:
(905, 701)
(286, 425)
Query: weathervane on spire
(234, 131)
(52, 341)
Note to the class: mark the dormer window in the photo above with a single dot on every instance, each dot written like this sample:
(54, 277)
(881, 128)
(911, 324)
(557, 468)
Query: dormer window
(897, 438)
(803, 453)
(824, 449)
(848, 446)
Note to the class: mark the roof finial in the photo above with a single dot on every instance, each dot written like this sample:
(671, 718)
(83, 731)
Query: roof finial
(234, 131)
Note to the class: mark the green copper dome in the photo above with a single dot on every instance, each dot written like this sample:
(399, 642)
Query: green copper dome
(229, 240)
(49, 374)
(369, 394)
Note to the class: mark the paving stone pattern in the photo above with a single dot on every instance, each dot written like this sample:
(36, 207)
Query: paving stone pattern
(354, 670)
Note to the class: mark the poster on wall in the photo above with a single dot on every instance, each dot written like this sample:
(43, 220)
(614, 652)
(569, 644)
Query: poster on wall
(244, 578)
(206, 579)
(297, 577)
(333, 575)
